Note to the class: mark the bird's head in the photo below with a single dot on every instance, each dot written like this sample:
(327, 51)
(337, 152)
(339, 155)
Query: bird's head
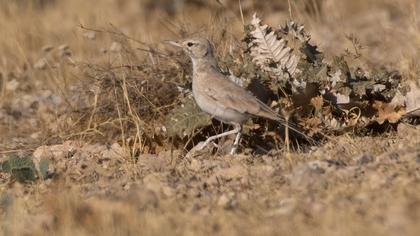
(196, 48)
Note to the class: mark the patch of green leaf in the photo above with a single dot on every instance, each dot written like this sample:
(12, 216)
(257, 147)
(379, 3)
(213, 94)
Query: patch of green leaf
(185, 119)
(43, 168)
(21, 168)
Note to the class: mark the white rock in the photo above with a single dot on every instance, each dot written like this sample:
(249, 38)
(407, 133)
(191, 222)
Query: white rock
(90, 35)
(41, 64)
(115, 47)
(12, 85)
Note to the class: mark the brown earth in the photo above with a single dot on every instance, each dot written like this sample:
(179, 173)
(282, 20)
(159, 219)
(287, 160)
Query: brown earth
(99, 183)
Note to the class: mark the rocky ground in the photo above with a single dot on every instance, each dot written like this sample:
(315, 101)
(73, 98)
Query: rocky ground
(348, 186)
(87, 180)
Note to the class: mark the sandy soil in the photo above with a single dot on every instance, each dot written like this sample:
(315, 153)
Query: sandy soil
(97, 184)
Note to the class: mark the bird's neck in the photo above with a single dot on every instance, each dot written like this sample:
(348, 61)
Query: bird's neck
(204, 64)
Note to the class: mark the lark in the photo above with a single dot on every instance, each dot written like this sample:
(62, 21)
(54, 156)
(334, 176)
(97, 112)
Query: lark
(220, 97)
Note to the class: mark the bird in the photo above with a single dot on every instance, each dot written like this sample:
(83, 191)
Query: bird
(219, 96)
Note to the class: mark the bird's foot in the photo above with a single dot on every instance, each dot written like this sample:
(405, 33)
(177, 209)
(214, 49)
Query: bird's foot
(233, 150)
(198, 149)
(200, 146)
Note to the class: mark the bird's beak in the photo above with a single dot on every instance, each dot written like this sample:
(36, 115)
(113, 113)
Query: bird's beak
(173, 43)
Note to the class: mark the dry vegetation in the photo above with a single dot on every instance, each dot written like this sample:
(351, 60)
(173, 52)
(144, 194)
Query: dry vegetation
(96, 120)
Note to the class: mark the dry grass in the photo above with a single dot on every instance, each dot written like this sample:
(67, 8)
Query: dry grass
(112, 85)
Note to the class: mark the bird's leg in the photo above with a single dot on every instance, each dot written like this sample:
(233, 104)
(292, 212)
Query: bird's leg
(237, 139)
(234, 131)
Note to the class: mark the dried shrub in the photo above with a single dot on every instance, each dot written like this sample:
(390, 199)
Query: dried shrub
(144, 100)
(129, 95)
(327, 97)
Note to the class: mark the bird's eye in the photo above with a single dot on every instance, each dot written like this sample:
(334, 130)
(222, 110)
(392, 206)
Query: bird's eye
(189, 44)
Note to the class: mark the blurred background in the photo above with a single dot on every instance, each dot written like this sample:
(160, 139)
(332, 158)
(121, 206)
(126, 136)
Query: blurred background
(389, 30)
(51, 51)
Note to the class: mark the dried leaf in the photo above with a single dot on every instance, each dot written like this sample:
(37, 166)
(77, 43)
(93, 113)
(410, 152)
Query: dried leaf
(269, 52)
(317, 103)
(313, 125)
(387, 113)
(297, 30)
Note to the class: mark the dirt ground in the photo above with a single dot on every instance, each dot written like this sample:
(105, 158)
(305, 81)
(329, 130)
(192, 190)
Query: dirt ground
(99, 183)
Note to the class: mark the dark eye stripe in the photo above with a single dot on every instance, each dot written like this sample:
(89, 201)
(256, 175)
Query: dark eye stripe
(189, 44)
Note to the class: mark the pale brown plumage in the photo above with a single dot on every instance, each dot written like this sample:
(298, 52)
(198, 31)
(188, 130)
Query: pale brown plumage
(219, 96)
(230, 95)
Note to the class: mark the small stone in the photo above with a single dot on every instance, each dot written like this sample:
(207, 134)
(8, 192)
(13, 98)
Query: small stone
(286, 207)
(223, 201)
(195, 165)
(153, 182)
(90, 35)
(406, 130)
(35, 135)
(64, 50)
(47, 48)
(317, 166)
(365, 159)
(234, 172)
(115, 47)
(41, 64)
(167, 191)
(63, 47)
(114, 152)
(12, 85)
(127, 186)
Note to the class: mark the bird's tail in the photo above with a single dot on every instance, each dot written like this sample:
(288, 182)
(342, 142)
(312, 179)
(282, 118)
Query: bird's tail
(268, 113)
(295, 128)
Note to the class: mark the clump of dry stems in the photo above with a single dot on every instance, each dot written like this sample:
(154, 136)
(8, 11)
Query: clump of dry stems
(144, 101)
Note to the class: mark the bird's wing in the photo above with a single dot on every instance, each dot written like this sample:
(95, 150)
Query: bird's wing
(232, 96)
(229, 95)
